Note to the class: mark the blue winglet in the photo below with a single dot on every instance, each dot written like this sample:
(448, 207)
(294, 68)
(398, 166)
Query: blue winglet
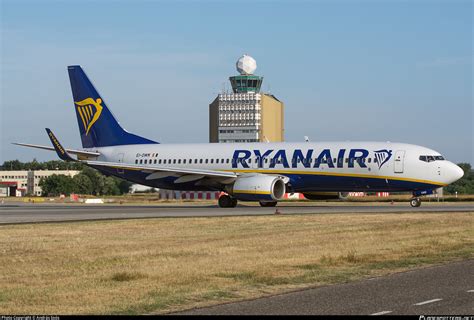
(62, 153)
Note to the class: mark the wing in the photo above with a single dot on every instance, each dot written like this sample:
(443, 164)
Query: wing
(71, 151)
(155, 172)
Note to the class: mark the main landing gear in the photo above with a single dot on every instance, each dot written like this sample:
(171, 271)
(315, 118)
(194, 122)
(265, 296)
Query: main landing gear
(415, 202)
(226, 201)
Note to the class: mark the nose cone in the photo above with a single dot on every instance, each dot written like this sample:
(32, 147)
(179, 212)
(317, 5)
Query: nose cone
(454, 172)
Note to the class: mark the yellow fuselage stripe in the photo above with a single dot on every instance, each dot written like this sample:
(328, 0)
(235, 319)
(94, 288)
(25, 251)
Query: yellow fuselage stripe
(355, 175)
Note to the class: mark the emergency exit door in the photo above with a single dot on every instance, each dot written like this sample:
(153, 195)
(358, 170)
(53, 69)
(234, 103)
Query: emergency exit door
(399, 160)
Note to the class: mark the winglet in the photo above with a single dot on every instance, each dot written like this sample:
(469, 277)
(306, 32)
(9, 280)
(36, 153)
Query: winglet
(62, 153)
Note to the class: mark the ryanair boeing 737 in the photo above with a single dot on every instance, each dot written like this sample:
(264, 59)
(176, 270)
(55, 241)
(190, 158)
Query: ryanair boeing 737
(249, 171)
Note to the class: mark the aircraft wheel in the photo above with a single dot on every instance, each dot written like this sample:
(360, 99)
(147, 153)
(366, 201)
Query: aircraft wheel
(268, 203)
(415, 202)
(226, 201)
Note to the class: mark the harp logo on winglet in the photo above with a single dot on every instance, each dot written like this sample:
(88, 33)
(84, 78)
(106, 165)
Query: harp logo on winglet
(89, 111)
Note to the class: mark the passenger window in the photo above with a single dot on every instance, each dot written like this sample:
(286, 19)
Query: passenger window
(200, 160)
(347, 160)
(179, 161)
(159, 161)
(174, 161)
(154, 161)
(146, 161)
(195, 160)
(370, 160)
(136, 161)
(184, 161)
(207, 160)
(212, 161)
(228, 160)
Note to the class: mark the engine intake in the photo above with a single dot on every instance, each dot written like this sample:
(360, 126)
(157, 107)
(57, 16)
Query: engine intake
(258, 187)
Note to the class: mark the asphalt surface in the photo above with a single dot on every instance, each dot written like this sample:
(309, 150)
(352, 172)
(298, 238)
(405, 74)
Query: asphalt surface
(440, 290)
(28, 213)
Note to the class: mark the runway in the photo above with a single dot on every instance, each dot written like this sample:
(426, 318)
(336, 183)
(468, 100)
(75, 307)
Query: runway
(440, 290)
(35, 213)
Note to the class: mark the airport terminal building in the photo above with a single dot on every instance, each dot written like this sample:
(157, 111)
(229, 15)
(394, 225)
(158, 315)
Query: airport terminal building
(246, 114)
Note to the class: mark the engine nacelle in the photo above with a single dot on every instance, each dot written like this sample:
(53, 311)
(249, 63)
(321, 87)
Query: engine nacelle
(258, 187)
(326, 195)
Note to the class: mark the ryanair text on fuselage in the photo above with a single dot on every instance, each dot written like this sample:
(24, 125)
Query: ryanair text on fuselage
(305, 158)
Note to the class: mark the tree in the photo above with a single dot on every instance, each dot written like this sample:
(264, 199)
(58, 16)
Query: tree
(465, 185)
(82, 184)
(56, 184)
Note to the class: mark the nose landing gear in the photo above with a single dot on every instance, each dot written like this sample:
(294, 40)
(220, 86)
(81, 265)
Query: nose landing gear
(415, 202)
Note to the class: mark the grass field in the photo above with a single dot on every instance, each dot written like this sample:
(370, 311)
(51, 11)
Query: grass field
(161, 265)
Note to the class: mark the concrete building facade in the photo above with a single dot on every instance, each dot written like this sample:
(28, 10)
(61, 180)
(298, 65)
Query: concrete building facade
(246, 114)
(28, 181)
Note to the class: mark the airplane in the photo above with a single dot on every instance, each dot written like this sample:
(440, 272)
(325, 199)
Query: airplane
(261, 172)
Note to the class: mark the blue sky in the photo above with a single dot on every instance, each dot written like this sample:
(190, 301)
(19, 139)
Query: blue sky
(346, 70)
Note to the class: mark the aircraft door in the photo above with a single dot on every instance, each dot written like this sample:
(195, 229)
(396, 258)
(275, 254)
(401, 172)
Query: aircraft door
(399, 160)
(120, 160)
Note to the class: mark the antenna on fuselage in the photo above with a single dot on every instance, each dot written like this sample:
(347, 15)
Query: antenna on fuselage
(306, 139)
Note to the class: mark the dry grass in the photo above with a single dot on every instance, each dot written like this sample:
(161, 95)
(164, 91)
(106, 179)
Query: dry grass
(159, 265)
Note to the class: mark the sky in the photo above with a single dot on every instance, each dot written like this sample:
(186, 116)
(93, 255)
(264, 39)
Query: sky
(396, 71)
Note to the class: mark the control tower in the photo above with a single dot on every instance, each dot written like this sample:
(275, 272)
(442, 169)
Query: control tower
(246, 114)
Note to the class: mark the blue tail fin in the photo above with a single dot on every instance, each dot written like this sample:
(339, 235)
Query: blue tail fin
(97, 124)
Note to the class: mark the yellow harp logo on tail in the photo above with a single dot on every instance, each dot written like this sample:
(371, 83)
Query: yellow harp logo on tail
(89, 111)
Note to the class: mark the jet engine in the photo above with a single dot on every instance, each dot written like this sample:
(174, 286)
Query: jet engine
(326, 195)
(259, 187)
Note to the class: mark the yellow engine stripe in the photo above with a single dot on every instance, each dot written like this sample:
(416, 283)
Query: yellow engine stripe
(251, 191)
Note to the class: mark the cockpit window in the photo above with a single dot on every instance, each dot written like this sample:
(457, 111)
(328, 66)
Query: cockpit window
(431, 158)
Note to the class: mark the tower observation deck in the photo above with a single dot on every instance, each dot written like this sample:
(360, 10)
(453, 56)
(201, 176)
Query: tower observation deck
(246, 114)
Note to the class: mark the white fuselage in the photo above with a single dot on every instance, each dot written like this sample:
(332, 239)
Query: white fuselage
(321, 166)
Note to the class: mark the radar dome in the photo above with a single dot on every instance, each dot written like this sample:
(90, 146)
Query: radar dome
(246, 65)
